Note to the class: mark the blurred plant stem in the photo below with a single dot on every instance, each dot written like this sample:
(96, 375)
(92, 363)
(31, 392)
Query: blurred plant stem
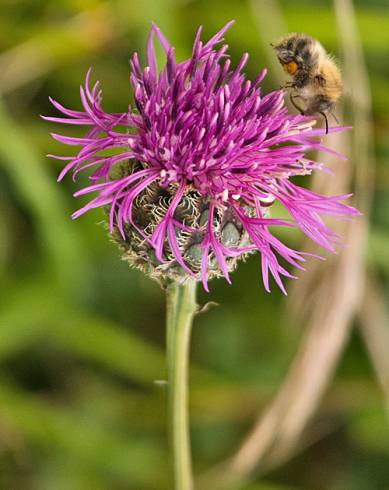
(281, 429)
(181, 307)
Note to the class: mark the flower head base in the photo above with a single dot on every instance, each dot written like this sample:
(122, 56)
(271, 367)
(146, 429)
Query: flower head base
(203, 157)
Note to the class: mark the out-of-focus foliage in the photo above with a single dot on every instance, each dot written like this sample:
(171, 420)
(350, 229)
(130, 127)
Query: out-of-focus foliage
(82, 337)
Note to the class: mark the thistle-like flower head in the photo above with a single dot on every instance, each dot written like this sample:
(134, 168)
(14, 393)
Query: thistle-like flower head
(196, 164)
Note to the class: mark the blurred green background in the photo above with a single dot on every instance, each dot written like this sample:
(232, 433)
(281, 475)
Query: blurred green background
(82, 336)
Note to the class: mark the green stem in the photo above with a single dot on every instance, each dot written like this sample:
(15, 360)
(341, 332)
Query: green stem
(181, 307)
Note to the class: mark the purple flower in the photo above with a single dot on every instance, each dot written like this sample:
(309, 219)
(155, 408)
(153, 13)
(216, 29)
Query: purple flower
(201, 151)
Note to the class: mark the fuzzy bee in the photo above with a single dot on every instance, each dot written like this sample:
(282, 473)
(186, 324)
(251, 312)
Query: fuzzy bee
(317, 81)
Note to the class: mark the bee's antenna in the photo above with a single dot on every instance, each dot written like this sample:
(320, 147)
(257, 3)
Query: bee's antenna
(326, 120)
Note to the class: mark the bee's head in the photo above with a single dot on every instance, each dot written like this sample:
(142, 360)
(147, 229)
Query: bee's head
(286, 55)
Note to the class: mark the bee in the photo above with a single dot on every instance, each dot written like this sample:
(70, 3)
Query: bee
(317, 81)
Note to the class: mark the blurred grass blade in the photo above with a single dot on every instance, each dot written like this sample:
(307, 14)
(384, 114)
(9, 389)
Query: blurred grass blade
(82, 334)
(100, 340)
(119, 454)
(374, 327)
(53, 46)
(270, 32)
(40, 196)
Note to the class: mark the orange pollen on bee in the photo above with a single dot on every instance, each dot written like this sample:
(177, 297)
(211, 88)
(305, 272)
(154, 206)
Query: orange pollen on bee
(290, 67)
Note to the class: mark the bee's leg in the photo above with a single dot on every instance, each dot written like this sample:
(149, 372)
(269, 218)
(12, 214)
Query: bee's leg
(333, 115)
(292, 97)
(326, 120)
(287, 85)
